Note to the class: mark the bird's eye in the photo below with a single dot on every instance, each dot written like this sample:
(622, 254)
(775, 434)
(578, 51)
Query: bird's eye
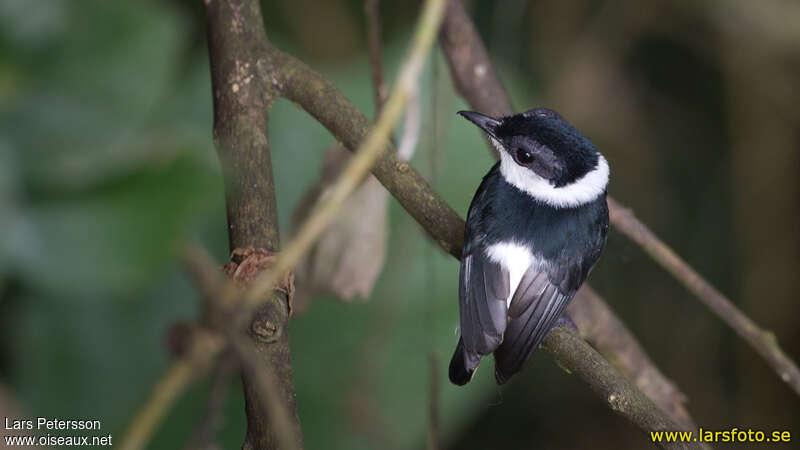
(524, 156)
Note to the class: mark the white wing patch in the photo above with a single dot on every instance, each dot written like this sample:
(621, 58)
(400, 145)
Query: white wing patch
(516, 259)
(579, 192)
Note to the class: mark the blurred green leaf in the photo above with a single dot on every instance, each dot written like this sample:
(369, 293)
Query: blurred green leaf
(83, 116)
(116, 237)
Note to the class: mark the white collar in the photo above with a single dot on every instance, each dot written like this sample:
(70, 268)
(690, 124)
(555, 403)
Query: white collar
(579, 192)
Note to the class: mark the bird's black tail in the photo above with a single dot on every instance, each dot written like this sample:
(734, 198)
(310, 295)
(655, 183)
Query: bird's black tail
(463, 365)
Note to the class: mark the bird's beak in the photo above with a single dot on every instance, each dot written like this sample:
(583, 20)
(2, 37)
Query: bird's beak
(484, 122)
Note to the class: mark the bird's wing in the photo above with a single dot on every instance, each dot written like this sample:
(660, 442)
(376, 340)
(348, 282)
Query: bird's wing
(483, 287)
(483, 291)
(540, 299)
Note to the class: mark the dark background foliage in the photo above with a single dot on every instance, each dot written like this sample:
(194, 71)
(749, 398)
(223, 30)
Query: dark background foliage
(107, 163)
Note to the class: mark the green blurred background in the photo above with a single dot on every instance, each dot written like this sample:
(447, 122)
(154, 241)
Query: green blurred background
(107, 163)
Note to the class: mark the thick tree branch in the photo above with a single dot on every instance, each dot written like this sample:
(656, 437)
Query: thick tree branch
(242, 99)
(468, 58)
(314, 93)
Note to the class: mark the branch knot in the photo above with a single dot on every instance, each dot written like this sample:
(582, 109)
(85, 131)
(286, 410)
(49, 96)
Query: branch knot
(247, 263)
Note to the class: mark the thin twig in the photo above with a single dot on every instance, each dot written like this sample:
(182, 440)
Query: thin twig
(204, 435)
(433, 402)
(763, 341)
(204, 347)
(372, 10)
(169, 388)
(411, 127)
(216, 294)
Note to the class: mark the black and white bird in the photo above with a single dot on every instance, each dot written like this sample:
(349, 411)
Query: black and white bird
(535, 229)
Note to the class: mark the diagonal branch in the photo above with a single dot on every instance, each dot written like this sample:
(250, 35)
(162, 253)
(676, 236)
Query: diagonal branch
(314, 93)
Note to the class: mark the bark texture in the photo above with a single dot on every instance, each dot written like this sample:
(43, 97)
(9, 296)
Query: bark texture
(237, 43)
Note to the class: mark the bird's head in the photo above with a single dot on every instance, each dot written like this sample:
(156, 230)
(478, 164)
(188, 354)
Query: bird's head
(545, 156)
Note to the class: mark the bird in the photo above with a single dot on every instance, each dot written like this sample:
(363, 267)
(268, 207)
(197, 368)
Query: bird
(535, 230)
